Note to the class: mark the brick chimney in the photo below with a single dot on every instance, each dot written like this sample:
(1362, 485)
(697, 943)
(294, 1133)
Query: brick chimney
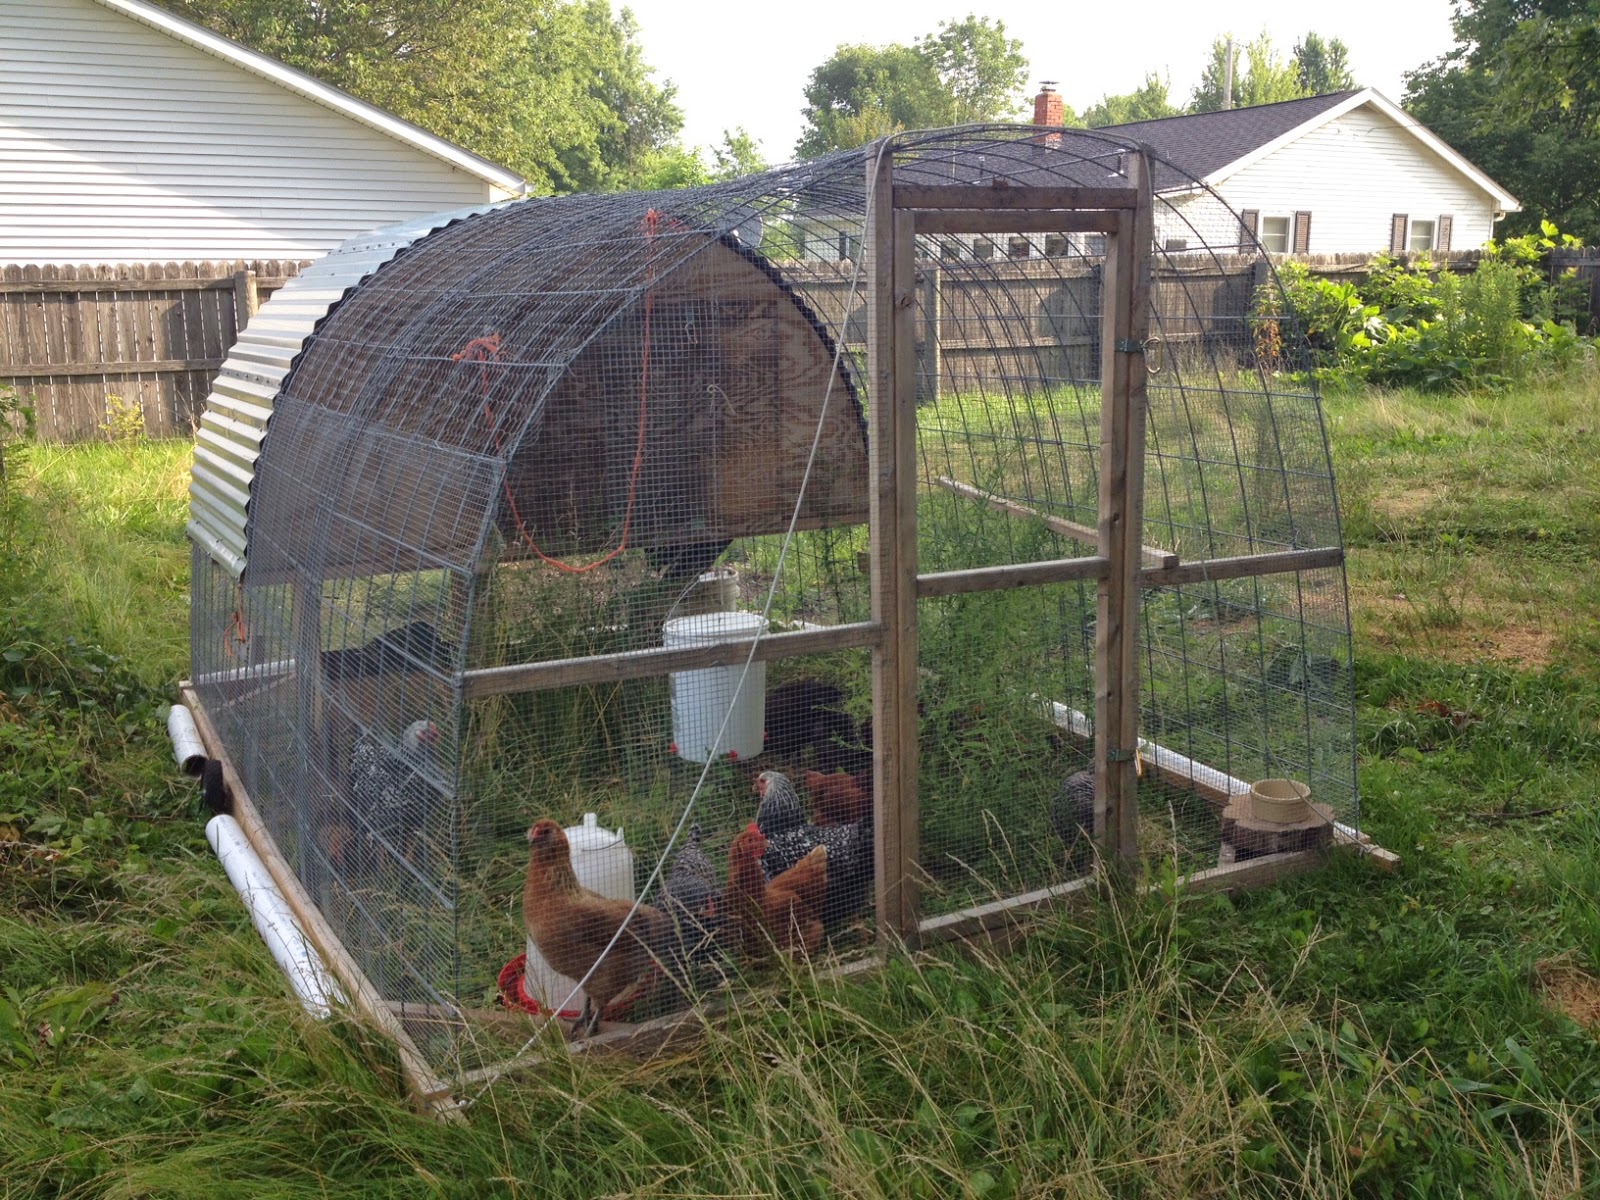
(1047, 110)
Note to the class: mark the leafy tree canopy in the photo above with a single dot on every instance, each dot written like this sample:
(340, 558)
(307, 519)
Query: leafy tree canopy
(1144, 103)
(967, 71)
(1519, 95)
(1322, 66)
(557, 90)
(1260, 76)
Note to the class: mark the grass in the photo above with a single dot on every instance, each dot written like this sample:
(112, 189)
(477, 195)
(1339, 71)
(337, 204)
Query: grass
(1345, 1034)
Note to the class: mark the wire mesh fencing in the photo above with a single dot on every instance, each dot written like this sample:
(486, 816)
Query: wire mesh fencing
(551, 667)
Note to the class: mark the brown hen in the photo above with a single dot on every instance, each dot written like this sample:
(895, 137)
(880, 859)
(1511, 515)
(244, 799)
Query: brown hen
(573, 926)
(783, 913)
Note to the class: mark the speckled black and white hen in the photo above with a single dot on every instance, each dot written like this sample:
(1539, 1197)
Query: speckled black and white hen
(392, 800)
(1072, 817)
(691, 897)
(790, 837)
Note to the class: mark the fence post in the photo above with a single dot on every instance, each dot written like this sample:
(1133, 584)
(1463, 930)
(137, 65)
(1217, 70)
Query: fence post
(245, 299)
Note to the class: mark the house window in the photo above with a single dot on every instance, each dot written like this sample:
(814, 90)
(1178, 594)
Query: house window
(1176, 245)
(1055, 245)
(1019, 247)
(1275, 235)
(950, 250)
(982, 248)
(1094, 244)
(1421, 235)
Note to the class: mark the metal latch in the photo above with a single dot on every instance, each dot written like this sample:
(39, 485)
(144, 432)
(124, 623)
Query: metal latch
(1114, 755)
(1151, 348)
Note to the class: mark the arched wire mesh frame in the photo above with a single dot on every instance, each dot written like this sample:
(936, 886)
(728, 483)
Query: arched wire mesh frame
(522, 479)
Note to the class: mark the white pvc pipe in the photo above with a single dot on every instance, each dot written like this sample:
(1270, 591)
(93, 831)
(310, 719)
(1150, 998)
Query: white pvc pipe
(187, 747)
(1160, 758)
(247, 671)
(273, 919)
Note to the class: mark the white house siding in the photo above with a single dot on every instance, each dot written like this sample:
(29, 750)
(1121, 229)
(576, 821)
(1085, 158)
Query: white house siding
(1353, 174)
(119, 143)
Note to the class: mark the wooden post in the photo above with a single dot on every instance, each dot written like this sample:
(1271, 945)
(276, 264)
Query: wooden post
(891, 355)
(1125, 326)
(245, 300)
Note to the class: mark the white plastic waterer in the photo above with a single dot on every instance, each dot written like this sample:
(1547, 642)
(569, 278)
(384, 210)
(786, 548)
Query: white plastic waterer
(700, 699)
(603, 863)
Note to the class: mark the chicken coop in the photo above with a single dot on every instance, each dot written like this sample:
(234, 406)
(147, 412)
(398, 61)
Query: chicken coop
(600, 600)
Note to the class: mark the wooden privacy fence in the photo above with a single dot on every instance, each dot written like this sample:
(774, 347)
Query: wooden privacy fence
(85, 344)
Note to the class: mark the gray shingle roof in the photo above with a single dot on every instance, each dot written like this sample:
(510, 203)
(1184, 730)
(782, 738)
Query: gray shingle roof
(1203, 143)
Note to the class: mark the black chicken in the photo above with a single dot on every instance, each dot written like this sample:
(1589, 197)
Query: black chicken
(412, 647)
(782, 820)
(392, 801)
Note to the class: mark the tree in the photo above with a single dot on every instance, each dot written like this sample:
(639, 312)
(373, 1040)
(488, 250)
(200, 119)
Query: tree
(1144, 103)
(1322, 66)
(1519, 95)
(980, 71)
(968, 71)
(1264, 78)
(557, 90)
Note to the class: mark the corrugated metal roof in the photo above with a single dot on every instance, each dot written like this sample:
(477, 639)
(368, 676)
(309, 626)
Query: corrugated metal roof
(239, 408)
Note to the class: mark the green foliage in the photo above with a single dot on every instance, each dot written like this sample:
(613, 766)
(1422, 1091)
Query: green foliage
(1347, 1034)
(1414, 324)
(1322, 67)
(1520, 96)
(1262, 77)
(968, 71)
(557, 90)
(1145, 103)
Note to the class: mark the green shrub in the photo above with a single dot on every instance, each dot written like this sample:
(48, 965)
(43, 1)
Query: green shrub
(1414, 325)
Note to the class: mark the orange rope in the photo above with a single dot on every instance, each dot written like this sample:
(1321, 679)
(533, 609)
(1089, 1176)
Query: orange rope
(484, 350)
(235, 632)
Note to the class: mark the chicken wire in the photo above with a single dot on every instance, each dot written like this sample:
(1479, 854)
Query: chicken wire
(566, 431)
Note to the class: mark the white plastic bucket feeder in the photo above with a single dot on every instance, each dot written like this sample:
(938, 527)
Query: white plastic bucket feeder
(701, 699)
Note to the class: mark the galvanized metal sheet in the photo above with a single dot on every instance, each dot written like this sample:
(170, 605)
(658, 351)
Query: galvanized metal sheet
(233, 430)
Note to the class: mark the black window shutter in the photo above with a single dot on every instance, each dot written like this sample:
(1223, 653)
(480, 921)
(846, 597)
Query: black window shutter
(1251, 220)
(1302, 233)
(1397, 233)
(1441, 237)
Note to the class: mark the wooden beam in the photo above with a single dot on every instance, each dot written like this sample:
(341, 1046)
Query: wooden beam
(1244, 566)
(951, 221)
(890, 246)
(1254, 872)
(642, 664)
(996, 914)
(428, 1091)
(979, 197)
(155, 366)
(1155, 559)
(1125, 304)
(1014, 575)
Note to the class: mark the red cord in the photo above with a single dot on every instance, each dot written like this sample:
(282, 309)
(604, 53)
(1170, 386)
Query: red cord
(236, 630)
(484, 350)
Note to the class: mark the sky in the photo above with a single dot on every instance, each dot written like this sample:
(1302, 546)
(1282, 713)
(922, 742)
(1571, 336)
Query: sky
(746, 63)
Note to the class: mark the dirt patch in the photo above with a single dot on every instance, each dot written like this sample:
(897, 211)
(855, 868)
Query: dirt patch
(1409, 504)
(1571, 991)
(1399, 624)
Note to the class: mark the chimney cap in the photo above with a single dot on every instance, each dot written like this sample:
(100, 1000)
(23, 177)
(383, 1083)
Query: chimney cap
(1047, 85)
